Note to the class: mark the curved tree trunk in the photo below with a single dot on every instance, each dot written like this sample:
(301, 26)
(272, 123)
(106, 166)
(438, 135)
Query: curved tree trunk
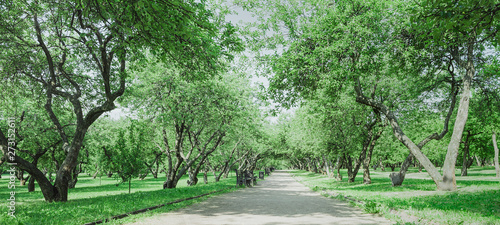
(446, 181)
(31, 184)
(398, 178)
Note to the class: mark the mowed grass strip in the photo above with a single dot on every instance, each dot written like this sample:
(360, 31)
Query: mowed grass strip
(477, 200)
(96, 199)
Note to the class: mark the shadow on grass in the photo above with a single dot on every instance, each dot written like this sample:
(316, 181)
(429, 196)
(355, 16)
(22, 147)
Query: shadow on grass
(81, 210)
(484, 203)
(474, 201)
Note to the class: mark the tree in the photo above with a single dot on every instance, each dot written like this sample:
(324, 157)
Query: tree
(459, 29)
(77, 52)
(495, 147)
(123, 155)
(192, 117)
(345, 48)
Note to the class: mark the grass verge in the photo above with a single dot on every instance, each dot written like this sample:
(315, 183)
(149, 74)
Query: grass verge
(95, 199)
(477, 200)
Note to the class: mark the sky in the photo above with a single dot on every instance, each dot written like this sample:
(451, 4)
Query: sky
(240, 17)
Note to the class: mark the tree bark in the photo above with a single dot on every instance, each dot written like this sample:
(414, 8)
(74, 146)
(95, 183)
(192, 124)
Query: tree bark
(352, 171)
(338, 165)
(448, 181)
(227, 166)
(156, 163)
(327, 166)
(465, 157)
(205, 176)
(74, 177)
(202, 155)
(398, 178)
(213, 171)
(193, 177)
(495, 147)
(367, 160)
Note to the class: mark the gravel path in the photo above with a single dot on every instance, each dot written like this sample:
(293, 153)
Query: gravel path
(277, 200)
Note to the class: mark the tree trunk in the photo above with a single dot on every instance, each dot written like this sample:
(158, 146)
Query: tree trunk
(31, 184)
(193, 177)
(74, 177)
(156, 163)
(465, 157)
(143, 176)
(495, 147)
(205, 174)
(368, 158)
(170, 173)
(217, 178)
(448, 181)
(366, 172)
(95, 174)
(381, 164)
(351, 175)
(129, 181)
(227, 166)
(327, 166)
(169, 183)
(20, 176)
(156, 170)
(338, 165)
(352, 171)
(49, 192)
(332, 169)
(478, 161)
(398, 178)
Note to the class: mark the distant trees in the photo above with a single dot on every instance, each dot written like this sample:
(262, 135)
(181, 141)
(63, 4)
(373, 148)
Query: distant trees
(412, 62)
(192, 119)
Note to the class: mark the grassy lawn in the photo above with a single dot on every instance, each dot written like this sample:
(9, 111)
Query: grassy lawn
(477, 200)
(96, 199)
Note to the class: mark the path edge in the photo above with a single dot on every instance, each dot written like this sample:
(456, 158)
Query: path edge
(153, 207)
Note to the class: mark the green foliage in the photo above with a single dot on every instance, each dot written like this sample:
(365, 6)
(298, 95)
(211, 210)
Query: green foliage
(126, 152)
(371, 207)
(79, 54)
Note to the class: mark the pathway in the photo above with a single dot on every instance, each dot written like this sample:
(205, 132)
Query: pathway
(277, 200)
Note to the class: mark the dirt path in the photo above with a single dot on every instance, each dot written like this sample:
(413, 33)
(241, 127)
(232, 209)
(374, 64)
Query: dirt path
(277, 200)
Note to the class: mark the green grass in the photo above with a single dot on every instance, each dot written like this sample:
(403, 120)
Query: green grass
(95, 199)
(477, 200)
